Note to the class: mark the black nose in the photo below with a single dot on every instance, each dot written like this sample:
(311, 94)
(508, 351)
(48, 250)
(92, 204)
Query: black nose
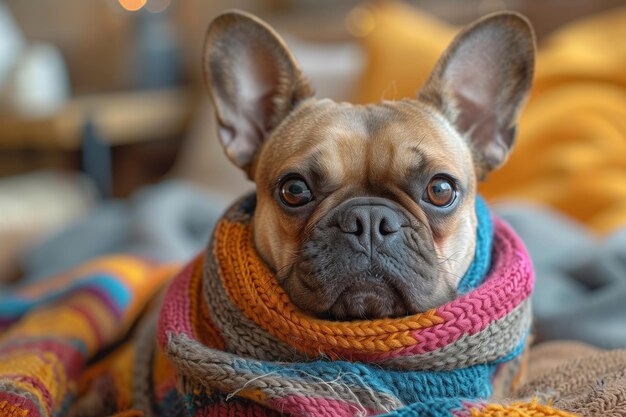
(370, 223)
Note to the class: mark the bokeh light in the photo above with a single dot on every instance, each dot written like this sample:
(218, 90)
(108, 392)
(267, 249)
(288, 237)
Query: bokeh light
(360, 21)
(132, 5)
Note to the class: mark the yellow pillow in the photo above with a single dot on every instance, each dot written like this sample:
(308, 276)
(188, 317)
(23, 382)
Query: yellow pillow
(571, 148)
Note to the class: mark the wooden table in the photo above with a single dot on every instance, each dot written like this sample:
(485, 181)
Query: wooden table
(119, 118)
(91, 125)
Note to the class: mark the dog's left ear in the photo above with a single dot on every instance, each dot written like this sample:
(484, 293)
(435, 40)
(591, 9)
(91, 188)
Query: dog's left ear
(481, 83)
(253, 80)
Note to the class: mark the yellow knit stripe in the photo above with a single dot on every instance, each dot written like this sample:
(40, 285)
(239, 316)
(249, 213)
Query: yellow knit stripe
(520, 409)
(122, 373)
(62, 322)
(145, 286)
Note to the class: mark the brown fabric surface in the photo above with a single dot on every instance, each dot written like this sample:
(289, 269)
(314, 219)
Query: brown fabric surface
(544, 357)
(578, 378)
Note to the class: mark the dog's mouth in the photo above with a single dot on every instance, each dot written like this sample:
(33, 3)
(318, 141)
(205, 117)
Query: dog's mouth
(362, 297)
(366, 301)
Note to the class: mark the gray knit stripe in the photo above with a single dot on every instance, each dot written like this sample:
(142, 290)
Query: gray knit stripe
(241, 335)
(494, 342)
(214, 369)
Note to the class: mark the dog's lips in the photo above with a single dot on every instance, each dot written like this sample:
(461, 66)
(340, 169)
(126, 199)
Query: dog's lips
(369, 300)
(362, 297)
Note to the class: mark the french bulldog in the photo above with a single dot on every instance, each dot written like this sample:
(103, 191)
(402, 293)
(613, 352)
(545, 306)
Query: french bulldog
(368, 211)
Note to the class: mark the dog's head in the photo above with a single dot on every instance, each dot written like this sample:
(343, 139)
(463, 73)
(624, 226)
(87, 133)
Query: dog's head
(368, 211)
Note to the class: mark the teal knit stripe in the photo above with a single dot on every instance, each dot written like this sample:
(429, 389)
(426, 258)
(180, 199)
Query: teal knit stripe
(482, 258)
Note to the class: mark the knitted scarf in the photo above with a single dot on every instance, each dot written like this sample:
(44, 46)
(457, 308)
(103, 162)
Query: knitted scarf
(230, 341)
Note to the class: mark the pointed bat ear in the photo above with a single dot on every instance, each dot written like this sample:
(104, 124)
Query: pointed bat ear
(481, 83)
(253, 80)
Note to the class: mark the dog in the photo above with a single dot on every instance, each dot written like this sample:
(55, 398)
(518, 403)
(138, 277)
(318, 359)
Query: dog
(368, 211)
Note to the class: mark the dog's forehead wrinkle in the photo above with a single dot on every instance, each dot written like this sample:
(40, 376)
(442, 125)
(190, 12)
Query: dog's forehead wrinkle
(368, 148)
(347, 129)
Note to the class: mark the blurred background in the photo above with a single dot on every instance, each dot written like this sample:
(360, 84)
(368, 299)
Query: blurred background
(107, 139)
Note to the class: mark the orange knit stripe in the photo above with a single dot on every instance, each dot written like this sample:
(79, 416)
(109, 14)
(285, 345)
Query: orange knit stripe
(45, 368)
(10, 410)
(254, 289)
(520, 409)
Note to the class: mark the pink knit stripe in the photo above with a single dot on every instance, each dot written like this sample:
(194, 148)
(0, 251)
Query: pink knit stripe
(236, 409)
(176, 310)
(509, 283)
(320, 407)
(25, 405)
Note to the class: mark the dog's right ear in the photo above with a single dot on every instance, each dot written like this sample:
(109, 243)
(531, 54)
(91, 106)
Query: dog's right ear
(481, 84)
(253, 80)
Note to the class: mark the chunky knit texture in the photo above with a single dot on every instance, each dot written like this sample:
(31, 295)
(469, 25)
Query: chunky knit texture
(228, 342)
(251, 349)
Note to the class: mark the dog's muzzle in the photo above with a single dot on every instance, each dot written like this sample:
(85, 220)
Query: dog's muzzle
(367, 258)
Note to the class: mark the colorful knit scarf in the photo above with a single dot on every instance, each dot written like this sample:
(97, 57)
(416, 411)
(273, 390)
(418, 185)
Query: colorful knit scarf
(231, 343)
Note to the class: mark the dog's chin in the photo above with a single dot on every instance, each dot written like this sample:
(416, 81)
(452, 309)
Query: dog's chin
(368, 301)
(363, 299)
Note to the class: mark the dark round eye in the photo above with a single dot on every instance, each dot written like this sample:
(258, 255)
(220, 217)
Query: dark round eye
(295, 192)
(440, 192)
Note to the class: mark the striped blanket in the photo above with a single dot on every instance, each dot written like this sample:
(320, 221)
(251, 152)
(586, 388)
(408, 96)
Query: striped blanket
(51, 330)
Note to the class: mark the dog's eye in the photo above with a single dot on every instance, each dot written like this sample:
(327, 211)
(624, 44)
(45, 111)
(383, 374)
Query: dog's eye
(440, 192)
(295, 192)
